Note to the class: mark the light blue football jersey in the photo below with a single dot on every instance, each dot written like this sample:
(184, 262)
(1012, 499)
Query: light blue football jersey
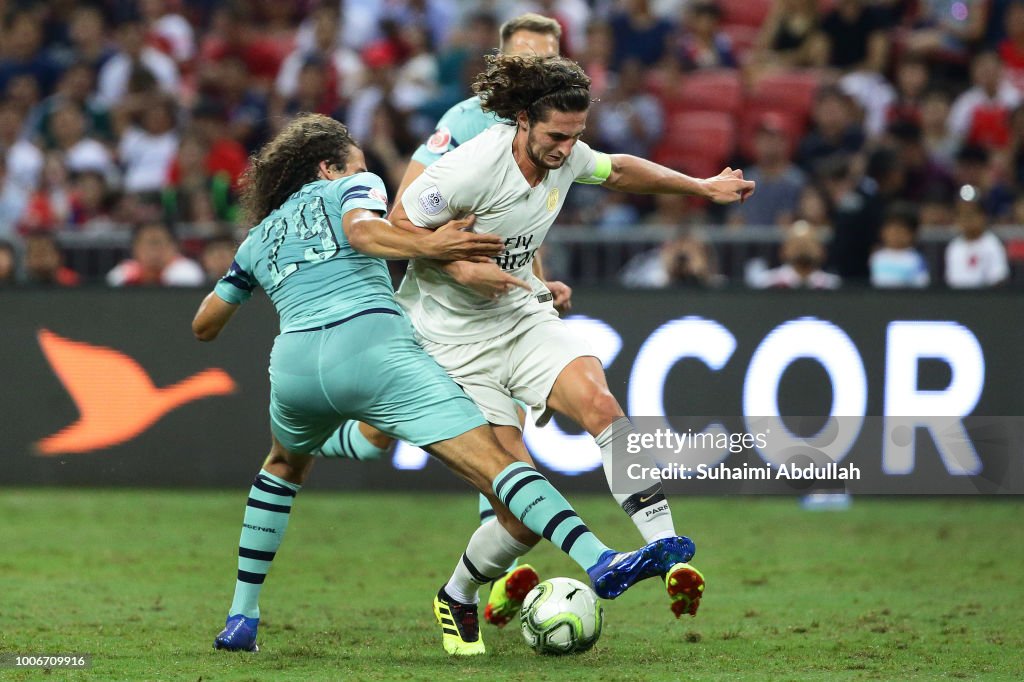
(459, 125)
(300, 256)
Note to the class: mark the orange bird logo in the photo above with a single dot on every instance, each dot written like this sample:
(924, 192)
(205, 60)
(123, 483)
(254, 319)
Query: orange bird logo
(115, 397)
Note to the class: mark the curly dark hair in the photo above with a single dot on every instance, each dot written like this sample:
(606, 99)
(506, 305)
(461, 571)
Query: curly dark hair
(532, 84)
(290, 161)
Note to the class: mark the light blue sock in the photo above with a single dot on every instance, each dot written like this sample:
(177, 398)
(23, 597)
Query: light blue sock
(348, 441)
(266, 519)
(543, 510)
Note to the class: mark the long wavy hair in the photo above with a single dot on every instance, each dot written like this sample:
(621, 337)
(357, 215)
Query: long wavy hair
(289, 161)
(532, 84)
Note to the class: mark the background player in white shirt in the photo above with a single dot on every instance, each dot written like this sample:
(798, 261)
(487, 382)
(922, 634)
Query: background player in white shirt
(514, 178)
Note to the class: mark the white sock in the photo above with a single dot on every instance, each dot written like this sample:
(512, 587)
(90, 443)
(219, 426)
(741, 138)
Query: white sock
(490, 551)
(644, 504)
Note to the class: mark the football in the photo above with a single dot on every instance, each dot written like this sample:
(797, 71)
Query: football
(561, 616)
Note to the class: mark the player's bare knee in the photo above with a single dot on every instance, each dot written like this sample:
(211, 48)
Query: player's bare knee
(287, 465)
(602, 410)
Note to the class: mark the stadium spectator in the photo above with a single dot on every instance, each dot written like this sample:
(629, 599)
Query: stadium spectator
(224, 154)
(195, 192)
(945, 30)
(121, 72)
(389, 146)
(686, 260)
(813, 208)
(922, 175)
(975, 258)
(23, 55)
(791, 37)
(24, 160)
(343, 70)
(629, 120)
(44, 262)
(439, 17)
(232, 33)
(227, 86)
(979, 168)
(169, 32)
(703, 45)
(80, 151)
(980, 115)
(146, 151)
(381, 61)
(855, 35)
(416, 79)
(49, 207)
(597, 55)
(75, 88)
(12, 203)
(277, 24)
(938, 142)
(802, 256)
(779, 182)
(835, 130)
(91, 203)
(1011, 49)
(615, 212)
(8, 264)
(88, 44)
(670, 211)
(639, 34)
(156, 260)
(855, 215)
(936, 210)
(314, 92)
(912, 80)
(898, 264)
(216, 257)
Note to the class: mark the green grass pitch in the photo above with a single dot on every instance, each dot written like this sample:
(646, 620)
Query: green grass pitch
(894, 589)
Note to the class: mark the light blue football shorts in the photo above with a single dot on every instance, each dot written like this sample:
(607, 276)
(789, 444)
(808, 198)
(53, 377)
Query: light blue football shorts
(367, 367)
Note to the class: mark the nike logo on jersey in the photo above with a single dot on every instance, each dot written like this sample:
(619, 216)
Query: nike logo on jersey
(115, 397)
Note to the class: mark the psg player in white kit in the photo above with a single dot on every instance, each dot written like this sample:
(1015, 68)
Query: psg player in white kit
(505, 347)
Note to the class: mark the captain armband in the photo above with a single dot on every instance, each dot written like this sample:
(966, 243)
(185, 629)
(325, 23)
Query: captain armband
(602, 170)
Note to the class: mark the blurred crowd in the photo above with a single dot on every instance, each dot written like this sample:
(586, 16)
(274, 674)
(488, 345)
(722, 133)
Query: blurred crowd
(864, 122)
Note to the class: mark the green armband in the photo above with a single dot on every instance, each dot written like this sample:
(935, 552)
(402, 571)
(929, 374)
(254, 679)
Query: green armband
(602, 170)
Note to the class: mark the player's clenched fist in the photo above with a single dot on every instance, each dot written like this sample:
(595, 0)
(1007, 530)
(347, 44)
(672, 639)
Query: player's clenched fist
(728, 186)
(451, 241)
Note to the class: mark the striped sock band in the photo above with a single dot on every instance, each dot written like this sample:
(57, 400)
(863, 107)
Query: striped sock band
(487, 557)
(543, 510)
(263, 528)
(486, 510)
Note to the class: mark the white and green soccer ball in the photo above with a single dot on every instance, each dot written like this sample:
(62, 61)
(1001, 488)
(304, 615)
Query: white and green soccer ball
(561, 616)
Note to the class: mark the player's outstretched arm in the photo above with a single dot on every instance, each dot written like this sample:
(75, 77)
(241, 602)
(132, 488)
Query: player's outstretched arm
(372, 235)
(213, 314)
(640, 176)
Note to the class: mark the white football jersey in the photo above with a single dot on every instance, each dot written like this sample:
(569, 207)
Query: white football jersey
(481, 177)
